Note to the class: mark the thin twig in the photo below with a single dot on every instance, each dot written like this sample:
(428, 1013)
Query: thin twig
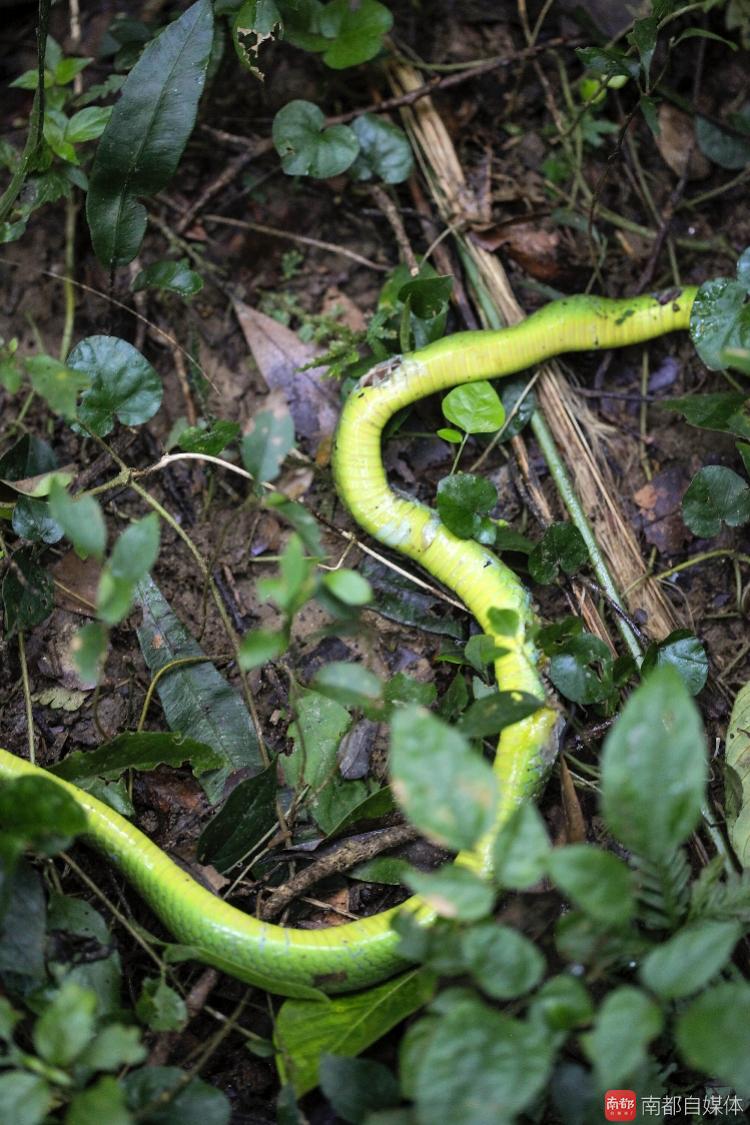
(290, 236)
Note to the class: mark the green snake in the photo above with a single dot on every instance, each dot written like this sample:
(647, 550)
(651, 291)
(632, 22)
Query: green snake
(304, 963)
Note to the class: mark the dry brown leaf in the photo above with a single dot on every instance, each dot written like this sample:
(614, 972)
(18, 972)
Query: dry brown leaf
(76, 583)
(312, 399)
(677, 145)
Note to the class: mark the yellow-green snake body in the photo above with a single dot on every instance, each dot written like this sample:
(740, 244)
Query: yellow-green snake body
(352, 956)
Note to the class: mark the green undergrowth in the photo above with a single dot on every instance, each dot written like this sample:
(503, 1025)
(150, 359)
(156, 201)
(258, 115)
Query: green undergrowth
(637, 980)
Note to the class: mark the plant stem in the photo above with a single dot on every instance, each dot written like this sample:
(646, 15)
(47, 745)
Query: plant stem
(36, 121)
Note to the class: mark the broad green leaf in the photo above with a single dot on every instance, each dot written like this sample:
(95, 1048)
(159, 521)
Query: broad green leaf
(259, 646)
(479, 1067)
(348, 586)
(596, 881)
(196, 1103)
(453, 892)
(349, 684)
(687, 961)
(625, 1024)
(643, 37)
(519, 404)
(150, 124)
(581, 669)
(720, 317)
(87, 124)
(24, 1097)
(104, 1100)
(728, 412)
(357, 32)
(723, 148)
(28, 592)
(713, 1034)
(81, 520)
(56, 383)
(445, 789)
(481, 650)
(32, 520)
(159, 1007)
(496, 711)
(307, 147)
(66, 1026)
(428, 296)
(143, 750)
(357, 1088)
(211, 439)
(737, 776)
(245, 819)
(319, 727)
(502, 961)
(475, 408)
(114, 1046)
(267, 443)
(715, 495)
(562, 547)
(305, 1030)
(562, 1003)
(23, 924)
(464, 502)
(122, 384)
(133, 555)
(654, 768)
(174, 277)
(40, 813)
(685, 653)
(521, 849)
(384, 151)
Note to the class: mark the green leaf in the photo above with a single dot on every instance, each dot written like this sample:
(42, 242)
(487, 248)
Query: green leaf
(87, 124)
(122, 384)
(28, 592)
(147, 132)
(160, 1007)
(255, 22)
(720, 318)
(196, 698)
(562, 1003)
(479, 1067)
(211, 439)
(260, 646)
(654, 768)
(357, 1087)
(267, 443)
(722, 148)
(453, 892)
(306, 147)
(246, 818)
(348, 586)
(625, 1024)
(581, 669)
(562, 547)
(427, 297)
(103, 1101)
(66, 1026)
(496, 711)
(114, 1046)
(56, 383)
(24, 1098)
(521, 849)
(174, 277)
(715, 495)
(519, 404)
(384, 151)
(305, 1030)
(80, 519)
(357, 32)
(687, 961)
(142, 750)
(728, 412)
(445, 789)
(23, 925)
(134, 553)
(40, 813)
(196, 1103)
(643, 37)
(32, 520)
(453, 436)
(475, 408)
(89, 649)
(503, 962)
(464, 502)
(737, 776)
(685, 653)
(713, 1034)
(596, 881)
(351, 685)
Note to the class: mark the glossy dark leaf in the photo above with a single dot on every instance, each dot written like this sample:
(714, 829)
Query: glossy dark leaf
(250, 811)
(123, 384)
(464, 502)
(714, 496)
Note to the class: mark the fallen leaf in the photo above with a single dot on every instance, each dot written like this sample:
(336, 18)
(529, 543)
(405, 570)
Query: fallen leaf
(660, 502)
(677, 145)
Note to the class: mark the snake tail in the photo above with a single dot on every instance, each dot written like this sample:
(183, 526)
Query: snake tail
(306, 963)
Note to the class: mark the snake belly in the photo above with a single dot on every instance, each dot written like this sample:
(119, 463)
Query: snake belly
(304, 963)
